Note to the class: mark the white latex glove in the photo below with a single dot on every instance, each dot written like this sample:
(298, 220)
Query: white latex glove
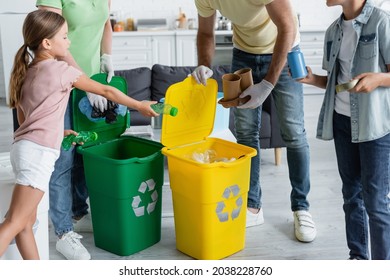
(97, 101)
(201, 74)
(106, 66)
(258, 93)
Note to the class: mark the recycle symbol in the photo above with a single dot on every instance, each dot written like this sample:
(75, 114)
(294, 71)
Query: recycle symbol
(222, 212)
(147, 193)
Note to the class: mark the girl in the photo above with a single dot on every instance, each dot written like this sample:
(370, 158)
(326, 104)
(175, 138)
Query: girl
(40, 90)
(356, 114)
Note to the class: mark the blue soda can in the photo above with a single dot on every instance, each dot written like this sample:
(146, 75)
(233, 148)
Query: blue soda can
(297, 65)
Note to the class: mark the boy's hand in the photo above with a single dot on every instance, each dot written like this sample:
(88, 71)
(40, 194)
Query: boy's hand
(308, 79)
(368, 82)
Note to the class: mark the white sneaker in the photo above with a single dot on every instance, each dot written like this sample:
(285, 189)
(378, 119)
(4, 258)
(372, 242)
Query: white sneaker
(254, 219)
(70, 246)
(84, 224)
(305, 229)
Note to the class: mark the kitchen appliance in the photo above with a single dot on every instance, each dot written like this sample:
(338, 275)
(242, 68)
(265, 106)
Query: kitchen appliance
(223, 48)
(153, 24)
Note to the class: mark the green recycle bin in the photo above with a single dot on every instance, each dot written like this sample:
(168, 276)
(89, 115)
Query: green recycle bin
(124, 177)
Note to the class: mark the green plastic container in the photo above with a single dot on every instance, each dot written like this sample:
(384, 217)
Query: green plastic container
(124, 177)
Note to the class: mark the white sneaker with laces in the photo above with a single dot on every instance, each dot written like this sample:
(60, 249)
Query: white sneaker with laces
(254, 219)
(84, 224)
(305, 229)
(70, 246)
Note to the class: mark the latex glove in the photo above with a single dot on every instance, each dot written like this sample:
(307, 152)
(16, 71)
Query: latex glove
(106, 66)
(201, 74)
(97, 101)
(258, 93)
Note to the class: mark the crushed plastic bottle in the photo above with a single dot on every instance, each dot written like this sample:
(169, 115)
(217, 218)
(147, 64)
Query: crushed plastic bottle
(209, 156)
(81, 137)
(163, 108)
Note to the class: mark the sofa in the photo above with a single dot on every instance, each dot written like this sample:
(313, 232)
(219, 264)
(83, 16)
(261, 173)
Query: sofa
(144, 83)
(151, 84)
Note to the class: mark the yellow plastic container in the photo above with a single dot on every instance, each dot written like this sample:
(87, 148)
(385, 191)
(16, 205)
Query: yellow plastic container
(209, 199)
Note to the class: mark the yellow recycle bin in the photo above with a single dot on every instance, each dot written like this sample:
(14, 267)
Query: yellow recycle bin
(209, 199)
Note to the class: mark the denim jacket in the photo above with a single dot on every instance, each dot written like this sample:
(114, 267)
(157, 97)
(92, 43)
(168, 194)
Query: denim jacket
(370, 112)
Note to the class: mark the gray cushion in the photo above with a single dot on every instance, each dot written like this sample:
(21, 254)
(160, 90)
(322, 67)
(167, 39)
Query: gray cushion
(138, 82)
(163, 76)
(138, 87)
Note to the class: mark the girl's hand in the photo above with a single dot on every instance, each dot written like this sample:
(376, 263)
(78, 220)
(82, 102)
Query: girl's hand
(146, 110)
(69, 132)
(367, 82)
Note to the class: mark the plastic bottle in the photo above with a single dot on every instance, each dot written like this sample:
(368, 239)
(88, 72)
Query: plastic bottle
(163, 108)
(82, 137)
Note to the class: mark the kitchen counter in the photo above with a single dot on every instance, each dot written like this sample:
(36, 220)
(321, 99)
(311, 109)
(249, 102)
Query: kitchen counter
(166, 32)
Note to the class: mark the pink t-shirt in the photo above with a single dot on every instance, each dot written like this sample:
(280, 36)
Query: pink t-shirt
(44, 97)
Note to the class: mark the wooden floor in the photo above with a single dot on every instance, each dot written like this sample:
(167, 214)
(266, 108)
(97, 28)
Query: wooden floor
(275, 239)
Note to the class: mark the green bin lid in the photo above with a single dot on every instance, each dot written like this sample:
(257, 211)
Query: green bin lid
(104, 130)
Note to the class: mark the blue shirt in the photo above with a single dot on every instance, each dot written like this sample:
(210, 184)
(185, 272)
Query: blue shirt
(370, 112)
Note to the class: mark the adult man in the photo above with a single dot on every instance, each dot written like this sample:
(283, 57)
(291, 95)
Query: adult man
(264, 31)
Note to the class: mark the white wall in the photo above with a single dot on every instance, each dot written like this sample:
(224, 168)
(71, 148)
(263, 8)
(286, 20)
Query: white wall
(313, 13)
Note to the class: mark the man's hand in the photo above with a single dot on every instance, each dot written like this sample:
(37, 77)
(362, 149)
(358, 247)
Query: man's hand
(106, 66)
(201, 74)
(97, 101)
(258, 93)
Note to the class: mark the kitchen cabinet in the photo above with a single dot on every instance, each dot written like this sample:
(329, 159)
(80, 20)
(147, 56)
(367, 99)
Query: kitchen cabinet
(163, 50)
(142, 49)
(145, 48)
(186, 52)
(312, 42)
(131, 52)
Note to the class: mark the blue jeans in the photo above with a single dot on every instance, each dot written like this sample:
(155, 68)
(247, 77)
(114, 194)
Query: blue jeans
(288, 96)
(68, 176)
(365, 173)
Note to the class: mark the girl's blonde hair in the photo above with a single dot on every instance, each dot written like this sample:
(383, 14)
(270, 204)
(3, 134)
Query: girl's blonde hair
(38, 25)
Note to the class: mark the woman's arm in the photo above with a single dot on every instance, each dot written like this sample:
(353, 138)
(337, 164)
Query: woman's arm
(106, 43)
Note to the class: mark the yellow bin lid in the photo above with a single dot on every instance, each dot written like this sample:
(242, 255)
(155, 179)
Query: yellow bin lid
(195, 120)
